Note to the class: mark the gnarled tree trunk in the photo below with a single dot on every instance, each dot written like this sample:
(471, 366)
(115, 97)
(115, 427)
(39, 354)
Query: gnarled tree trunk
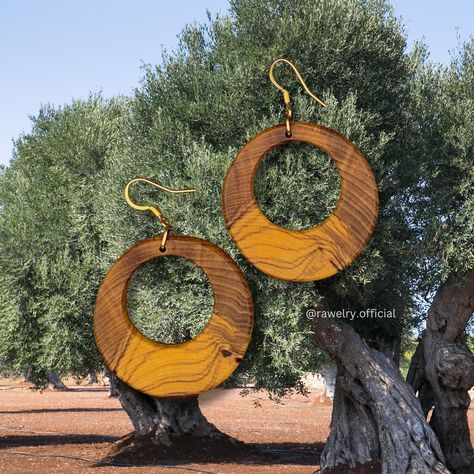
(168, 428)
(93, 379)
(55, 381)
(376, 416)
(112, 383)
(164, 418)
(442, 370)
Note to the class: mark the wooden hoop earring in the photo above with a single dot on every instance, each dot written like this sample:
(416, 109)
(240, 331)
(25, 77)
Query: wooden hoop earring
(310, 254)
(188, 368)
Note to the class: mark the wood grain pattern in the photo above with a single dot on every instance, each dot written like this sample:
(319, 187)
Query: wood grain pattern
(309, 254)
(188, 368)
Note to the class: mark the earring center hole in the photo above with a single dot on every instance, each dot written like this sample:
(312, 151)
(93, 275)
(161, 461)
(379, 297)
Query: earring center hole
(170, 300)
(297, 186)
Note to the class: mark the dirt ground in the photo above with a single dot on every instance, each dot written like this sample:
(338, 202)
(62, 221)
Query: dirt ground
(67, 432)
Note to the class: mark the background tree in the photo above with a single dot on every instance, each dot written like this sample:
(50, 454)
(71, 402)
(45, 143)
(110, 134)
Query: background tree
(50, 246)
(442, 370)
(438, 207)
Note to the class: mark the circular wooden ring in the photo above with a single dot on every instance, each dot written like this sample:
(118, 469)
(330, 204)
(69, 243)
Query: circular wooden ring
(188, 368)
(308, 254)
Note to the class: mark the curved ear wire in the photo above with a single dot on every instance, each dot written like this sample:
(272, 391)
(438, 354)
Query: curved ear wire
(155, 210)
(286, 94)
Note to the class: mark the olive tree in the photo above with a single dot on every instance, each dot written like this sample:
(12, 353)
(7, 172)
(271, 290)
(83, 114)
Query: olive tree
(50, 246)
(190, 116)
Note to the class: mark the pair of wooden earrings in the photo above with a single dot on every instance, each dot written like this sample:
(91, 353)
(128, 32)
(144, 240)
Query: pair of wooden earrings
(204, 362)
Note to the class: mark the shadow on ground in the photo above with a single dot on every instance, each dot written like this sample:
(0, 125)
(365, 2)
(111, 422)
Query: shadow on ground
(129, 451)
(14, 441)
(58, 410)
(142, 451)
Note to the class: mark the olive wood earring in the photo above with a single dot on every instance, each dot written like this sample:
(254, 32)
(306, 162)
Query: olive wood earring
(191, 367)
(309, 254)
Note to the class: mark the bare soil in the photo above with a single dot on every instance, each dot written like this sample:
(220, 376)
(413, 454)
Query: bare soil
(72, 431)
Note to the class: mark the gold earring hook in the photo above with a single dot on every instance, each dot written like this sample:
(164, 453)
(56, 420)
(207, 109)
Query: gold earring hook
(286, 94)
(154, 209)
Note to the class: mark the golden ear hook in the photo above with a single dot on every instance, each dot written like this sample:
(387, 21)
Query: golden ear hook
(154, 209)
(286, 94)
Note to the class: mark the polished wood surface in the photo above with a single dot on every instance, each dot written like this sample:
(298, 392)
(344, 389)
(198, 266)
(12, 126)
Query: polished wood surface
(309, 254)
(188, 368)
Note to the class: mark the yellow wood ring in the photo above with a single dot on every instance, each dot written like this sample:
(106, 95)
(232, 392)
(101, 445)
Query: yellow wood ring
(309, 254)
(188, 368)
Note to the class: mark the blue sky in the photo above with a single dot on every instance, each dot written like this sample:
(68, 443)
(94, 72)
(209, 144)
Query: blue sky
(52, 50)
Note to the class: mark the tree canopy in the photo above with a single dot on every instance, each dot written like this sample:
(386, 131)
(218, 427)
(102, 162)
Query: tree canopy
(50, 244)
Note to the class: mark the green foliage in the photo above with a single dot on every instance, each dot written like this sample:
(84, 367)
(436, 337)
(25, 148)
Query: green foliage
(185, 303)
(50, 245)
(408, 347)
(470, 342)
(444, 194)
